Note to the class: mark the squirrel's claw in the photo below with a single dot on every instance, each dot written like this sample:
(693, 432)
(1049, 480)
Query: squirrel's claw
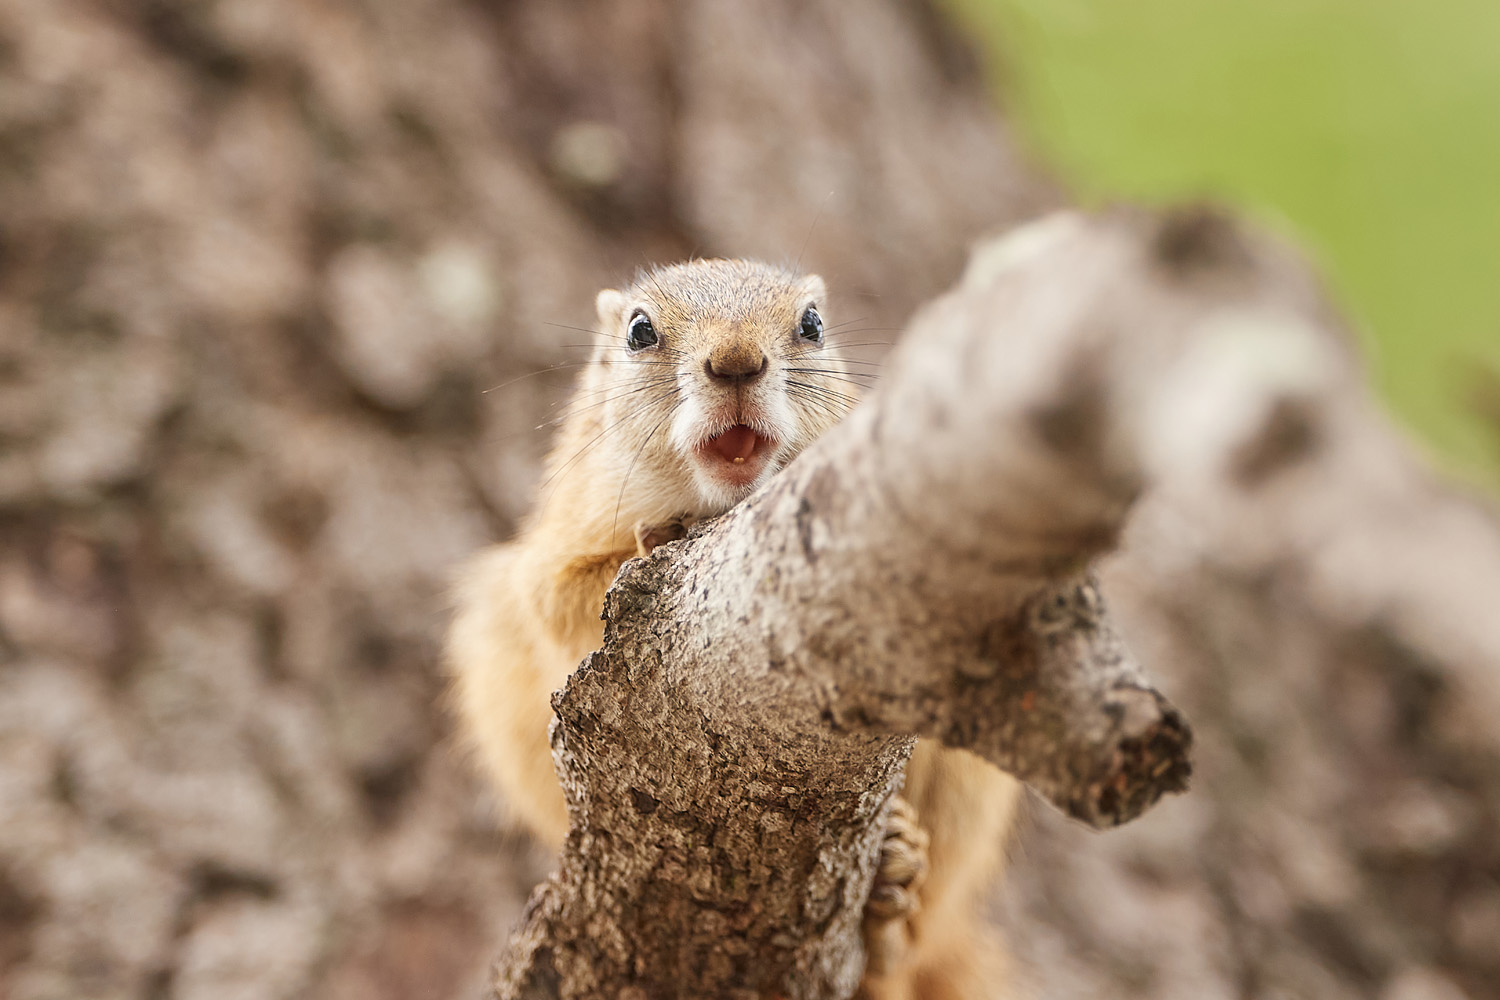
(649, 536)
(893, 898)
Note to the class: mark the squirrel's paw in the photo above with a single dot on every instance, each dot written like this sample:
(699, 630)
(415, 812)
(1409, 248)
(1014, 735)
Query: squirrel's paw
(893, 899)
(649, 536)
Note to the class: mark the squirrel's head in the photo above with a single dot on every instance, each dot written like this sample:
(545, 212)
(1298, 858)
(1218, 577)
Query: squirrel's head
(716, 373)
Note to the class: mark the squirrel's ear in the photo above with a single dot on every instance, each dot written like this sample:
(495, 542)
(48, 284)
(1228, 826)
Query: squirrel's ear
(815, 289)
(611, 306)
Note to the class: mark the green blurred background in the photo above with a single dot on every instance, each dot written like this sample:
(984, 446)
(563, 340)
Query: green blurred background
(1368, 128)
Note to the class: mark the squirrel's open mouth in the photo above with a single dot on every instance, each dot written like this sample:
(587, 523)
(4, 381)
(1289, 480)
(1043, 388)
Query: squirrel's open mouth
(740, 452)
(738, 444)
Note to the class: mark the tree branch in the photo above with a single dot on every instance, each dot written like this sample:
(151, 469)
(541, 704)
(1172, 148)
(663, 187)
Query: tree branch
(922, 570)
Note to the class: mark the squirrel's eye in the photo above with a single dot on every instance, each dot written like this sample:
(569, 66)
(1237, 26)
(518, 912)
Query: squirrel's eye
(812, 326)
(641, 334)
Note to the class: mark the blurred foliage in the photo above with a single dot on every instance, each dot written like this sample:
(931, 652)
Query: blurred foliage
(1370, 128)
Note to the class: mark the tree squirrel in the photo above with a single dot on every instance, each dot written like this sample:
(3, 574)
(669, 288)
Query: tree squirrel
(705, 379)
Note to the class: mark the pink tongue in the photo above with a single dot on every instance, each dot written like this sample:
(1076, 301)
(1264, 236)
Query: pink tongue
(736, 443)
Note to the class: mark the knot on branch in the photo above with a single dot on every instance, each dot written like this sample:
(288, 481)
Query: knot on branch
(1200, 239)
(1149, 759)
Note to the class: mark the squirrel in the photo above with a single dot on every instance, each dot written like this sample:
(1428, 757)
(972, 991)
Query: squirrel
(706, 378)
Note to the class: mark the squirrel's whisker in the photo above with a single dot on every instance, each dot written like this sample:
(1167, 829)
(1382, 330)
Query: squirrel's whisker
(615, 526)
(646, 386)
(838, 376)
(600, 436)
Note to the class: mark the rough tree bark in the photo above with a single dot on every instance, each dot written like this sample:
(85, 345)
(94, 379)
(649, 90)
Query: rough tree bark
(919, 571)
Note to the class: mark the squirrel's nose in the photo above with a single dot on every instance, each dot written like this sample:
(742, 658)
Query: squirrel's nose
(736, 365)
